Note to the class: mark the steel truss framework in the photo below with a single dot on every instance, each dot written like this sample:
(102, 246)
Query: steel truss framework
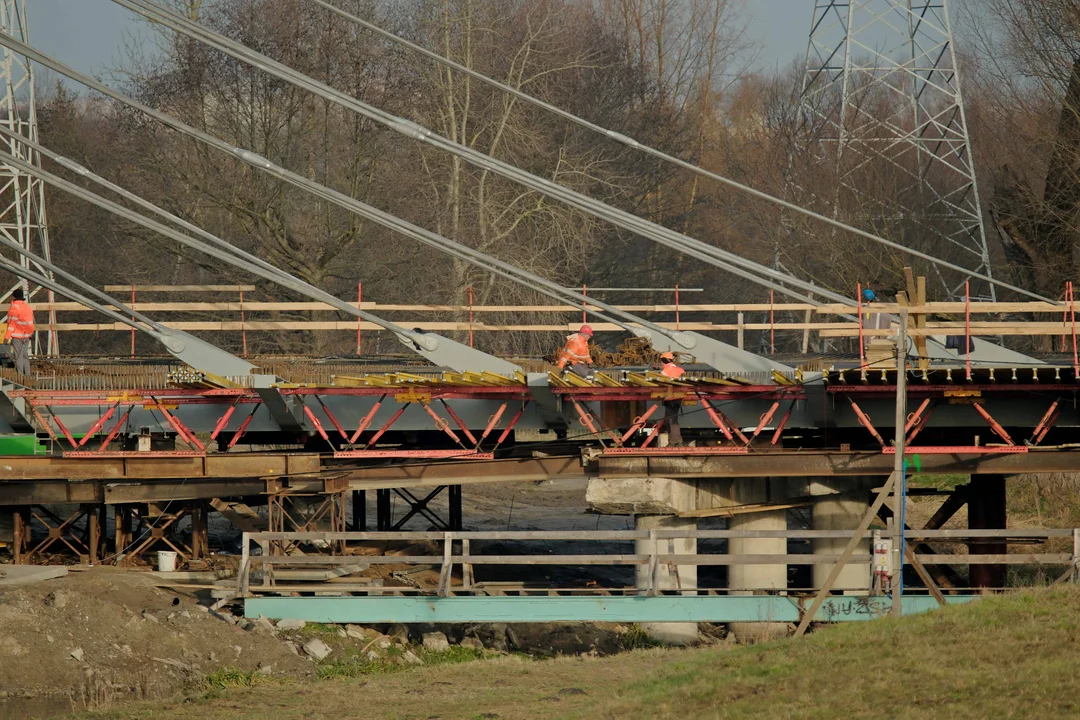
(22, 197)
(881, 89)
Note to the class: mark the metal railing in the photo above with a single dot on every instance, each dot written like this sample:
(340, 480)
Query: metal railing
(272, 572)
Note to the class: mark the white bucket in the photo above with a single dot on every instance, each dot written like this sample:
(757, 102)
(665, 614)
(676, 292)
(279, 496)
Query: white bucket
(166, 561)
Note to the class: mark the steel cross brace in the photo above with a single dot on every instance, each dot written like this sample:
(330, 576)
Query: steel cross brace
(994, 425)
(730, 429)
(916, 421)
(419, 506)
(864, 419)
(1045, 424)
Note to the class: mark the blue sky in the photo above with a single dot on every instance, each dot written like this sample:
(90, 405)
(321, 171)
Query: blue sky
(90, 34)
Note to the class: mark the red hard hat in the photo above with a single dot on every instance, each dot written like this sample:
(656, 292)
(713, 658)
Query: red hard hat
(667, 356)
(586, 331)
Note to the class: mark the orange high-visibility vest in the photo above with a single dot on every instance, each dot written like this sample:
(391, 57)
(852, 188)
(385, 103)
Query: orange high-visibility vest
(576, 351)
(673, 371)
(20, 324)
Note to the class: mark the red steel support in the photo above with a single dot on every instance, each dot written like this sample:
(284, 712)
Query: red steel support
(587, 421)
(639, 422)
(994, 425)
(764, 420)
(186, 434)
(917, 423)
(223, 422)
(333, 420)
(367, 420)
(460, 423)
(916, 417)
(44, 423)
(98, 425)
(513, 421)
(865, 420)
(1045, 424)
(318, 425)
(393, 419)
(441, 424)
(243, 427)
(653, 432)
(63, 429)
(492, 422)
(783, 423)
(720, 421)
(115, 431)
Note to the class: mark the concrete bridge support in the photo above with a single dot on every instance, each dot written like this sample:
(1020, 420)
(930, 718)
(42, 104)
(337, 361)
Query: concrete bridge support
(759, 579)
(668, 578)
(655, 504)
(842, 505)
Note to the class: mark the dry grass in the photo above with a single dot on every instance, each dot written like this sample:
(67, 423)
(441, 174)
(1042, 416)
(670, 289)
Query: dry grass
(1009, 656)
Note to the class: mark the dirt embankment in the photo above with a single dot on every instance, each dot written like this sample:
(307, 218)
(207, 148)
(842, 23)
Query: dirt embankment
(105, 634)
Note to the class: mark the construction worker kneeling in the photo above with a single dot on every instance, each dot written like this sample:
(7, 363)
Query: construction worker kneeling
(575, 353)
(669, 369)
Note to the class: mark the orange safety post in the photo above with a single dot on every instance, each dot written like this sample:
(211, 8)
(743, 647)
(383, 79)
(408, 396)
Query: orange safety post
(967, 327)
(1072, 316)
(133, 320)
(243, 323)
(772, 325)
(1064, 317)
(470, 316)
(858, 301)
(677, 306)
(359, 300)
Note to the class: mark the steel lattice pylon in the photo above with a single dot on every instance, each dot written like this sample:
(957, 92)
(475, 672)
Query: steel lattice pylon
(881, 96)
(22, 198)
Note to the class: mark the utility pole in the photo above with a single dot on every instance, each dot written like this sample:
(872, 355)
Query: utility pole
(899, 484)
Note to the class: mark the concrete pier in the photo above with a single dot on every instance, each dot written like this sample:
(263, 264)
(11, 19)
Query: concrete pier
(679, 577)
(842, 510)
(759, 579)
(655, 504)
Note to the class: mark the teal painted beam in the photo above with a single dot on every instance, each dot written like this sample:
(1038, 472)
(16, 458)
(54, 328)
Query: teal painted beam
(363, 610)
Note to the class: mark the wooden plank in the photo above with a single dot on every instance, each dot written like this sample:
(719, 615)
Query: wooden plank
(179, 288)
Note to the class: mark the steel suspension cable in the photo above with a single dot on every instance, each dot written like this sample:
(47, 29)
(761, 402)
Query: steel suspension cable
(630, 142)
(718, 257)
(458, 250)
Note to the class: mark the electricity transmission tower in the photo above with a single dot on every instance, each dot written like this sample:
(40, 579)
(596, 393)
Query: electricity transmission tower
(881, 98)
(22, 198)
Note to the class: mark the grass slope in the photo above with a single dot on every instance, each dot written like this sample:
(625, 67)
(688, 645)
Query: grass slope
(1009, 656)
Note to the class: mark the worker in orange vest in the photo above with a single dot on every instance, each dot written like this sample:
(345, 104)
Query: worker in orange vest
(669, 369)
(20, 329)
(576, 352)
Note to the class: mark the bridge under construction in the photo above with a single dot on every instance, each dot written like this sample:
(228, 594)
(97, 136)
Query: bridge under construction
(115, 459)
